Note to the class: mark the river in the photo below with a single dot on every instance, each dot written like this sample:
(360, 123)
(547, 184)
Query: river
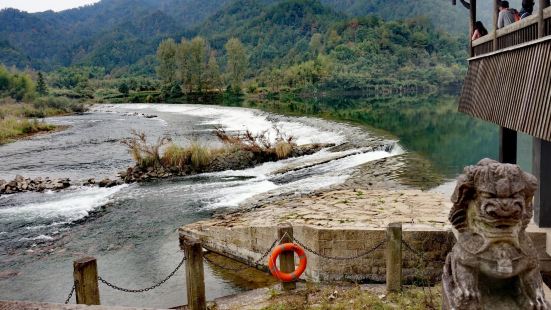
(132, 229)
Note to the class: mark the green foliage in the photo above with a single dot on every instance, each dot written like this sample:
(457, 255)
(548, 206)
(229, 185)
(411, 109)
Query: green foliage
(41, 87)
(213, 78)
(166, 56)
(237, 63)
(16, 85)
(197, 64)
(186, 65)
(60, 105)
(11, 128)
(275, 44)
(71, 77)
(120, 34)
(124, 89)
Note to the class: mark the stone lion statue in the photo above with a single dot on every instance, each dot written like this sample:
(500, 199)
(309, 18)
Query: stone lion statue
(493, 264)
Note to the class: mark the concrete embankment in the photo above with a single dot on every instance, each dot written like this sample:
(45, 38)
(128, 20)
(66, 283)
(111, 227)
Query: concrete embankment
(344, 223)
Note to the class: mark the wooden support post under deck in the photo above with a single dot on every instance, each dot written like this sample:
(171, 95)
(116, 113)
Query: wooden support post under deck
(286, 259)
(85, 274)
(394, 257)
(541, 166)
(507, 146)
(541, 155)
(195, 276)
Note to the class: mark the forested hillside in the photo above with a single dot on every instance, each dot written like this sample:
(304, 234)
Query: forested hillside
(302, 44)
(119, 33)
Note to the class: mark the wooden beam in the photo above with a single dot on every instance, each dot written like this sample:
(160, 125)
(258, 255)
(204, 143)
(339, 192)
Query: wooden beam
(195, 276)
(85, 274)
(541, 168)
(394, 257)
(286, 259)
(507, 146)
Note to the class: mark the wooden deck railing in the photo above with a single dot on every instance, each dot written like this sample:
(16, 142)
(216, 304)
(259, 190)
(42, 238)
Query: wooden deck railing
(520, 32)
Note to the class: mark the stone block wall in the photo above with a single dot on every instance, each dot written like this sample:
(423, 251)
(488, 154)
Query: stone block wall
(247, 244)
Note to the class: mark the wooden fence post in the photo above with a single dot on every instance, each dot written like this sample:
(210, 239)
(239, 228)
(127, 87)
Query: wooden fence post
(286, 259)
(394, 257)
(85, 274)
(195, 276)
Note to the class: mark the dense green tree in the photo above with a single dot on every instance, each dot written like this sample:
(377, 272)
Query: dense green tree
(166, 56)
(124, 89)
(183, 64)
(316, 45)
(237, 63)
(198, 63)
(41, 87)
(213, 78)
(18, 86)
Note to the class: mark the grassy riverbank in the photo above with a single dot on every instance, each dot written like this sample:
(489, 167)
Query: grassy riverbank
(21, 120)
(336, 296)
(355, 297)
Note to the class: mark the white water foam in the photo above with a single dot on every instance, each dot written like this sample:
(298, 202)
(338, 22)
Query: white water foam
(328, 174)
(240, 119)
(70, 206)
(39, 237)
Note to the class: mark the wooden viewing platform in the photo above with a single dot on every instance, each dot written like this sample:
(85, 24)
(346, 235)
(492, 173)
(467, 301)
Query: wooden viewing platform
(509, 84)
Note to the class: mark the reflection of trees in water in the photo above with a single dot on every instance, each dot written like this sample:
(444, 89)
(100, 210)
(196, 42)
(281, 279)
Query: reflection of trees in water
(429, 125)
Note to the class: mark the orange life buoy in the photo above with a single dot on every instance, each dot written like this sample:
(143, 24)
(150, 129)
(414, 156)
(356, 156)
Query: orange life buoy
(282, 276)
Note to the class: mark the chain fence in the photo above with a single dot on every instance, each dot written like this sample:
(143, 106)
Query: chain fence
(255, 263)
(420, 255)
(368, 252)
(308, 249)
(154, 286)
(423, 274)
(70, 294)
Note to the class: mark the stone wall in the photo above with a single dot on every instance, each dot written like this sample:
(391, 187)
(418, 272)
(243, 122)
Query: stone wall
(247, 244)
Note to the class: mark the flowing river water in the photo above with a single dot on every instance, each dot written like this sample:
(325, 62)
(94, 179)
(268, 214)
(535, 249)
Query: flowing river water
(132, 229)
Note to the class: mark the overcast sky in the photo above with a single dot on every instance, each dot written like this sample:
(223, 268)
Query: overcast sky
(44, 5)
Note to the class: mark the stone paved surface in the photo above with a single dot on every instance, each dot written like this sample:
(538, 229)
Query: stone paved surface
(350, 209)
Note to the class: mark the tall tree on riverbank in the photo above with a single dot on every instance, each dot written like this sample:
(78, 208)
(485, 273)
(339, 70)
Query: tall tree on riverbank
(166, 55)
(198, 64)
(183, 64)
(41, 88)
(237, 63)
(213, 79)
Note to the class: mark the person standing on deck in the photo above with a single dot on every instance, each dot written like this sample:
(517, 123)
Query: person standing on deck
(527, 8)
(505, 17)
(479, 30)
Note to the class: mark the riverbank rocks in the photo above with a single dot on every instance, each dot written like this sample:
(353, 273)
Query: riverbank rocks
(109, 183)
(39, 184)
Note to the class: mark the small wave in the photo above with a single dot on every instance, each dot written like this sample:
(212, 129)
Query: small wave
(40, 237)
(233, 196)
(40, 227)
(69, 206)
